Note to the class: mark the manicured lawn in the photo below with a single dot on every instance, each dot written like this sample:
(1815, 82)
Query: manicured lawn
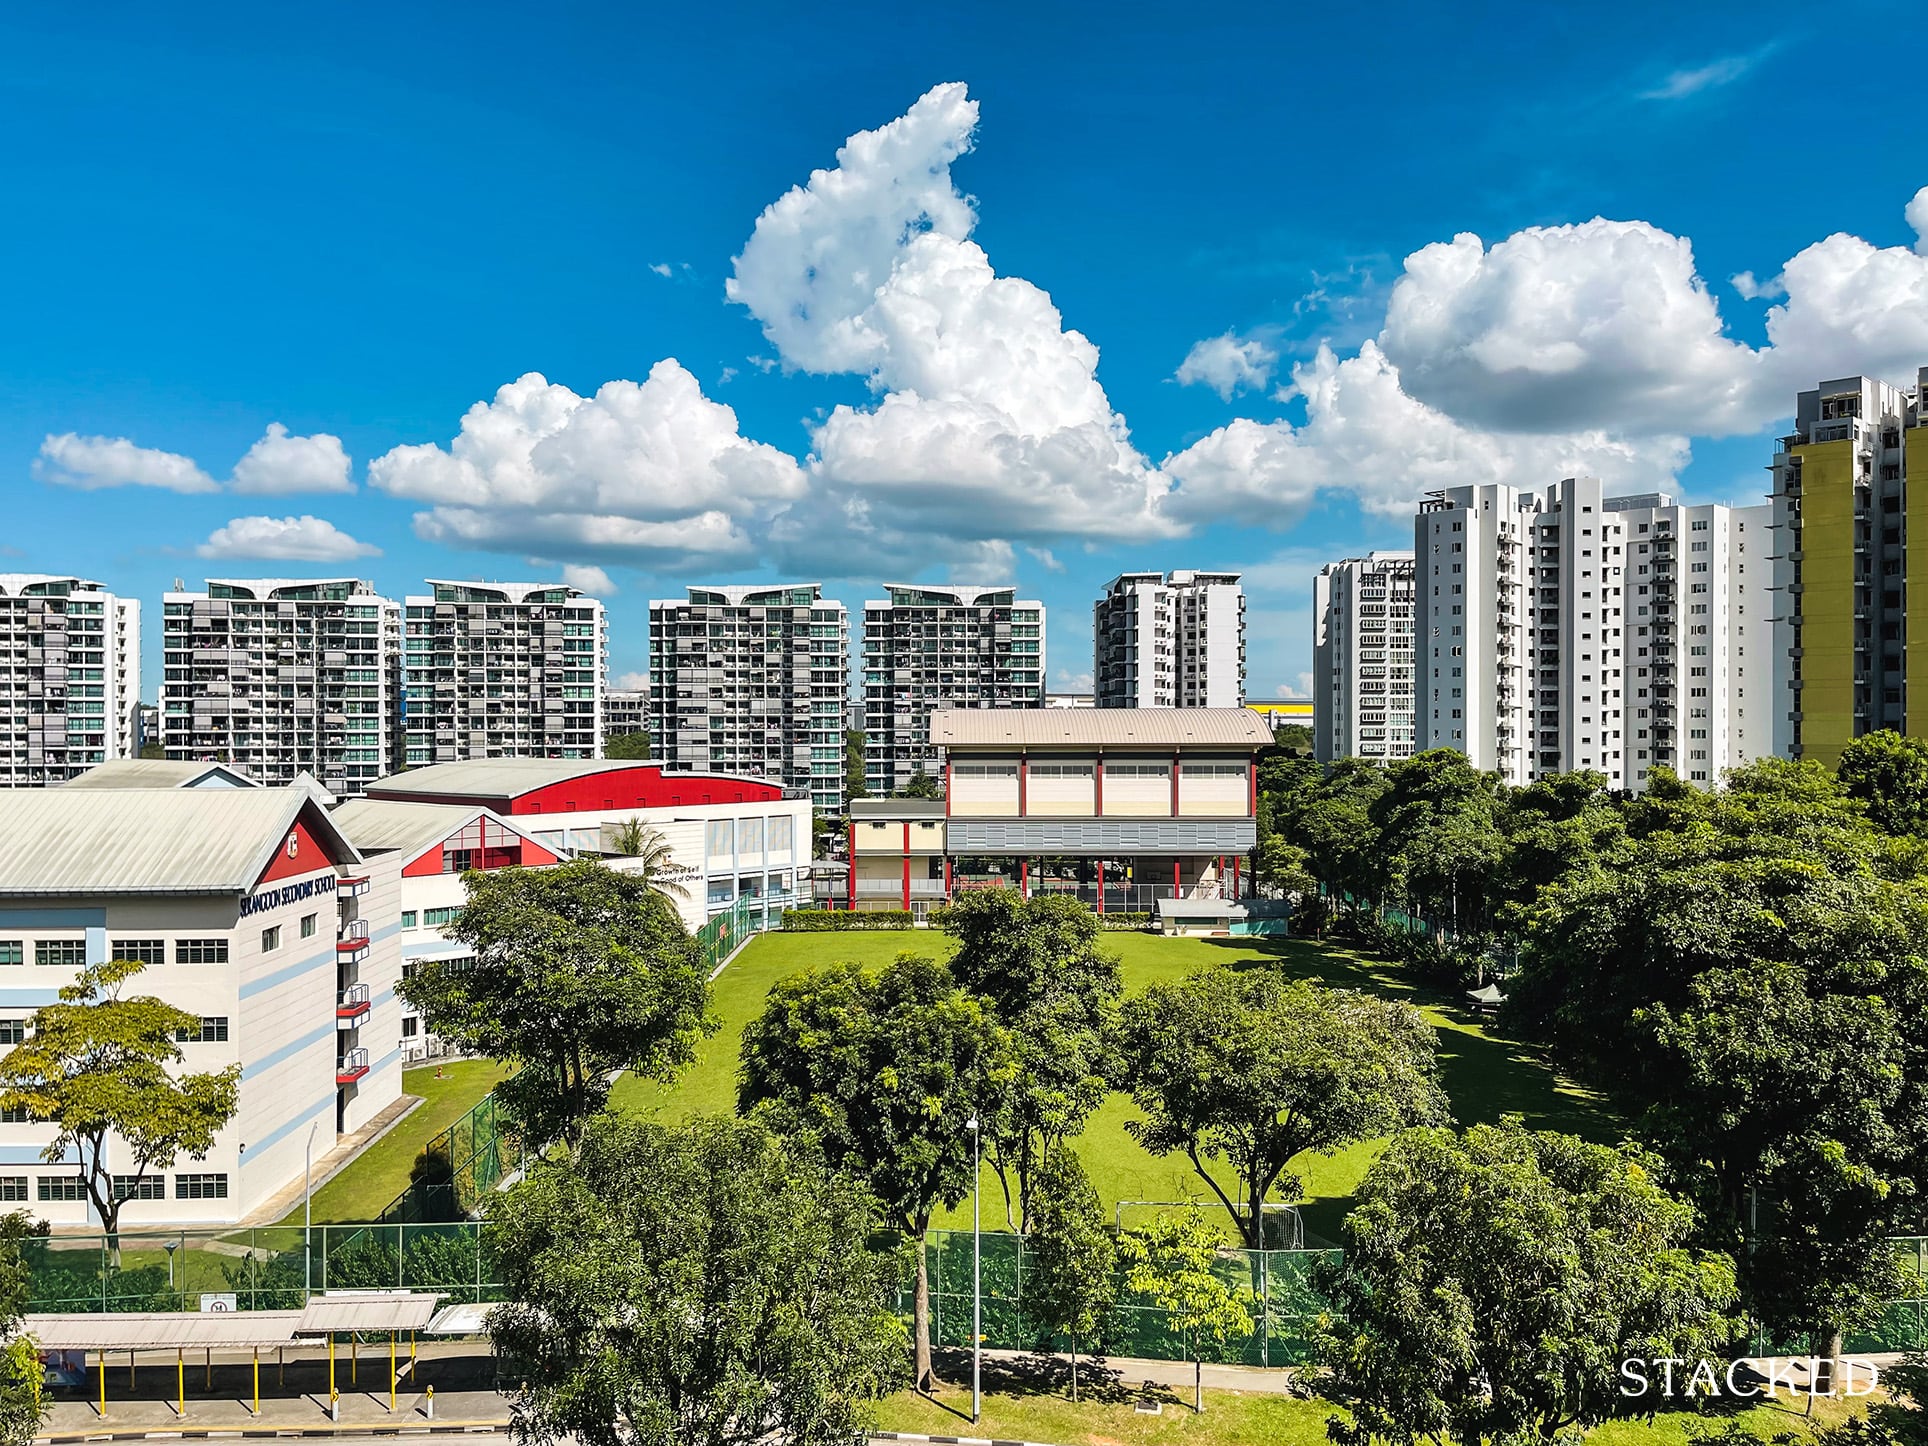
(1486, 1075)
(380, 1173)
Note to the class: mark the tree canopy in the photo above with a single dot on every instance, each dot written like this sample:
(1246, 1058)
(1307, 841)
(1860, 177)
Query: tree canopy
(1252, 1068)
(100, 1069)
(578, 970)
(1494, 1281)
(694, 1286)
(627, 745)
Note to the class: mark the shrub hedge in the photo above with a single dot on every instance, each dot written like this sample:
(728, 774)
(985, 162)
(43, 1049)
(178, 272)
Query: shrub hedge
(824, 921)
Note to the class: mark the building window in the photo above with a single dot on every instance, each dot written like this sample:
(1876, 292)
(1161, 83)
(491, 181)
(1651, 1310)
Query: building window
(144, 1187)
(271, 939)
(13, 1031)
(408, 918)
(16, 1115)
(308, 926)
(62, 1187)
(141, 951)
(213, 1029)
(61, 953)
(435, 917)
(13, 1188)
(200, 951)
(409, 1026)
(200, 1187)
(12, 952)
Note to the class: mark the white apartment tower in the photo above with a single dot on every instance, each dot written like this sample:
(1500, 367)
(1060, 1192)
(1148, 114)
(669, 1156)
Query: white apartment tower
(504, 670)
(1174, 641)
(70, 677)
(931, 647)
(752, 680)
(1362, 658)
(276, 677)
(625, 711)
(1559, 629)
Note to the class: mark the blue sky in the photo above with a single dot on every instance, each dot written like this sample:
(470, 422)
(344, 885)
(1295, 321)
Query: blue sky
(958, 354)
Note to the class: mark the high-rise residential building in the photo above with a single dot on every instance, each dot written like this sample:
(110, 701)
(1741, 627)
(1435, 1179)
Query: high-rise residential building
(1560, 629)
(931, 647)
(1850, 494)
(1362, 657)
(277, 677)
(625, 711)
(70, 677)
(752, 680)
(1170, 641)
(504, 670)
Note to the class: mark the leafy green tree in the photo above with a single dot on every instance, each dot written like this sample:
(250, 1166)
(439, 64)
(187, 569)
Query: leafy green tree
(100, 1069)
(1493, 1282)
(922, 785)
(627, 745)
(1170, 1262)
(854, 740)
(1039, 967)
(1295, 737)
(655, 860)
(1252, 1069)
(700, 1285)
(1439, 838)
(1281, 868)
(578, 971)
(1554, 827)
(1070, 1257)
(1888, 772)
(24, 1406)
(153, 750)
(887, 1068)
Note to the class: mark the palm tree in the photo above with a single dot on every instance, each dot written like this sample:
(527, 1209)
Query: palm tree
(637, 840)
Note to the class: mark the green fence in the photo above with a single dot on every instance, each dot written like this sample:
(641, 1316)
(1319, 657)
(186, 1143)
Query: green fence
(459, 1167)
(270, 1268)
(719, 938)
(1284, 1303)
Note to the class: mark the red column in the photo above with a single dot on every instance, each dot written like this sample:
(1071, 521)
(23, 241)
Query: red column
(1024, 877)
(947, 785)
(853, 866)
(1101, 886)
(1024, 781)
(1178, 878)
(1174, 785)
(906, 868)
(947, 876)
(1252, 781)
(1098, 787)
(1221, 876)
(1235, 880)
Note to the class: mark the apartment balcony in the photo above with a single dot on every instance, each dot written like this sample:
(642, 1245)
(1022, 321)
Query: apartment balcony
(351, 888)
(351, 1067)
(351, 1006)
(352, 948)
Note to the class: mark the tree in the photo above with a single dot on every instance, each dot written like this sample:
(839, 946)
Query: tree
(1071, 1259)
(1170, 1262)
(854, 787)
(705, 1284)
(1281, 868)
(627, 745)
(1295, 737)
(1439, 840)
(578, 971)
(153, 750)
(1253, 1068)
(655, 860)
(922, 785)
(1038, 966)
(887, 1068)
(1493, 1283)
(98, 1068)
(24, 1406)
(1888, 771)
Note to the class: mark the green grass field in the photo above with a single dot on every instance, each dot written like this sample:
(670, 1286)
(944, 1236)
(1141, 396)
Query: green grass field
(380, 1173)
(1486, 1075)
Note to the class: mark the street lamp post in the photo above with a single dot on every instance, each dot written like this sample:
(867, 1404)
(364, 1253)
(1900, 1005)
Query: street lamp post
(308, 1211)
(977, 1287)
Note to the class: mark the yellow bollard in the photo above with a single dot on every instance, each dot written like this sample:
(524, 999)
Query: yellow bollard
(257, 1380)
(103, 1383)
(391, 1372)
(180, 1380)
(331, 1365)
(354, 1358)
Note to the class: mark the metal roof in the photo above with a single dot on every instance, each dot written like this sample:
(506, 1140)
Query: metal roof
(498, 777)
(896, 808)
(1099, 728)
(158, 1330)
(379, 826)
(367, 1310)
(155, 773)
(59, 841)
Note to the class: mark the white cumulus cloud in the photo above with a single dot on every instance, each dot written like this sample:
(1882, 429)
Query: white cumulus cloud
(632, 682)
(1228, 364)
(280, 464)
(294, 539)
(88, 463)
(639, 470)
(586, 577)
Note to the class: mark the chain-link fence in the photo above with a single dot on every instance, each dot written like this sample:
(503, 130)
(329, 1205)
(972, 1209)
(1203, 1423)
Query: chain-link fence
(459, 1167)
